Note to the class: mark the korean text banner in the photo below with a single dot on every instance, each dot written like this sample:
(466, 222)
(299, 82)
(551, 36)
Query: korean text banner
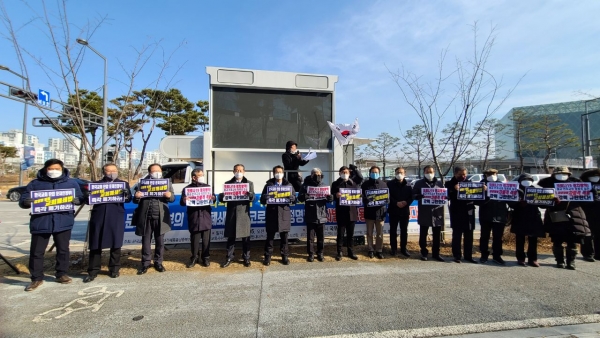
(377, 197)
(434, 196)
(153, 188)
(539, 196)
(470, 191)
(106, 193)
(508, 191)
(279, 194)
(45, 201)
(236, 192)
(198, 197)
(318, 193)
(574, 191)
(350, 197)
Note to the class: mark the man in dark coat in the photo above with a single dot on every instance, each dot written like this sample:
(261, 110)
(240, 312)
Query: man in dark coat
(199, 222)
(374, 215)
(493, 215)
(526, 221)
(565, 221)
(106, 228)
(346, 216)
(152, 218)
(57, 225)
(292, 160)
(590, 249)
(462, 217)
(278, 218)
(401, 197)
(237, 218)
(315, 214)
(429, 216)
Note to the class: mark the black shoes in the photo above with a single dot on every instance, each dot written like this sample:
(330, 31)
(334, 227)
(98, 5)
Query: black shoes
(371, 254)
(457, 260)
(114, 275)
(191, 263)
(379, 255)
(560, 265)
(206, 262)
(589, 259)
(352, 255)
(499, 261)
(320, 257)
(404, 253)
(142, 270)
(267, 261)
(226, 263)
(285, 260)
(483, 259)
(393, 253)
(159, 267)
(338, 257)
(471, 260)
(571, 265)
(89, 278)
(439, 258)
(247, 262)
(310, 258)
(423, 258)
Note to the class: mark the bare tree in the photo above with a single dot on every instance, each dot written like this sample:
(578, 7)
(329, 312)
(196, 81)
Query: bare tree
(473, 92)
(415, 146)
(383, 147)
(548, 135)
(487, 144)
(521, 126)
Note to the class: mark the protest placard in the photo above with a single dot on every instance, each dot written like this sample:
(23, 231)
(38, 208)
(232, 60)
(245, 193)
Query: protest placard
(317, 193)
(109, 192)
(539, 196)
(153, 188)
(236, 192)
(350, 197)
(574, 191)
(377, 197)
(198, 196)
(46, 201)
(499, 191)
(470, 191)
(434, 196)
(279, 194)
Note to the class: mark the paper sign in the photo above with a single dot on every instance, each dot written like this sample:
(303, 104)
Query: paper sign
(310, 156)
(279, 194)
(317, 193)
(377, 197)
(46, 201)
(100, 193)
(350, 197)
(539, 196)
(434, 196)
(503, 191)
(236, 192)
(574, 191)
(153, 188)
(470, 191)
(198, 196)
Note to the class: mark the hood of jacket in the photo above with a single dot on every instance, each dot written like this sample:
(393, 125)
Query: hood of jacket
(43, 176)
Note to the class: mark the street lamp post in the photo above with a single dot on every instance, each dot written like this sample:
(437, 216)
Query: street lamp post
(24, 138)
(104, 100)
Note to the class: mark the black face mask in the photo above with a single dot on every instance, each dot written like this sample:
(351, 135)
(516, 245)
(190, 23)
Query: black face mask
(317, 179)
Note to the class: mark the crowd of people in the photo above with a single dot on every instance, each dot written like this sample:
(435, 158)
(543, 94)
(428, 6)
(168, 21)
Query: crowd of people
(565, 222)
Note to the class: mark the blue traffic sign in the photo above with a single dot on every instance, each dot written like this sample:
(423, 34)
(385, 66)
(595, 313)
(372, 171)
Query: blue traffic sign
(44, 98)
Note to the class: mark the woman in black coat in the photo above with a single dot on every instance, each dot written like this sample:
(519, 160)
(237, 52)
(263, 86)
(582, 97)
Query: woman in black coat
(526, 221)
(199, 222)
(346, 216)
(590, 249)
(106, 228)
(292, 160)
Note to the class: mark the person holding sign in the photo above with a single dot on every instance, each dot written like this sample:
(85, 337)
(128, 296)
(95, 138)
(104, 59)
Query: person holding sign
(292, 160)
(51, 219)
(462, 217)
(315, 195)
(493, 215)
(346, 215)
(198, 197)
(429, 215)
(375, 198)
(237, 217)
(277, 195)
(107, 221)
(590, 249)
(526, 221)
(152, 216)
(565, 221)
(401, 198)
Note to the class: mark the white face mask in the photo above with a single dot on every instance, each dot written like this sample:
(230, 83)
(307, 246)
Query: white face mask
(526, 183)
(400, 177)
(239, 176)
(278, 176)
(344, 176)
(492, 178)
(561, 177)
(200, 179)
(156, 175)
(54, 173)
(594, 179)
(429, 176)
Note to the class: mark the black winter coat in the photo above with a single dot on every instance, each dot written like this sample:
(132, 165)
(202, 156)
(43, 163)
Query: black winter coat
(293, 162)
(107, 221)
(526, 219)
(462, 213)
(314, 211)
(378, 212)
(237, 217)
(278, 217)
(492, 211)
(578, 226)
(198, 218)
(428, 215)
(344, 214)
(140, 219)
(592, 209)
(400, 191)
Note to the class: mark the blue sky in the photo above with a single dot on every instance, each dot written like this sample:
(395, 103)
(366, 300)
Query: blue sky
(555, 44)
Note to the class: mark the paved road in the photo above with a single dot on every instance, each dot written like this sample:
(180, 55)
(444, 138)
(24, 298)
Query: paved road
(359, 299)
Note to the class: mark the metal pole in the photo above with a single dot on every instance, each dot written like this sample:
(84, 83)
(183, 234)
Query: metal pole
(24, 138)
(583, 140)
(105, 113)
(588, 135)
